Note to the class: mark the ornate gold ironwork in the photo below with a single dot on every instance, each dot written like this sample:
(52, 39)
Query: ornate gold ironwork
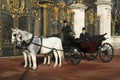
(61, 4)
(98, 18)
(68, 14)
(34, 3)
(45, 5)
(15, 6)
(91, 16)
(80, 1)
(3, 6)
(56, 9)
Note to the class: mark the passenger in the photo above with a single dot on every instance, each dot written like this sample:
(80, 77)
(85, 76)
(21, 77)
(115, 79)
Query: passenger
(84, 36)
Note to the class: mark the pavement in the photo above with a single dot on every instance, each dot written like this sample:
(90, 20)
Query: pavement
(11, 68)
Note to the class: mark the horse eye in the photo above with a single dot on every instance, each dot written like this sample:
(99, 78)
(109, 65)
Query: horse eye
(20, 37)
(14, 35)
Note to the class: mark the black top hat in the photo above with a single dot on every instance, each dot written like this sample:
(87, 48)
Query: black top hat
(83, 28)
(64, 21)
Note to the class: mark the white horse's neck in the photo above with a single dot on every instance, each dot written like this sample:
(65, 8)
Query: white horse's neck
(26, 35)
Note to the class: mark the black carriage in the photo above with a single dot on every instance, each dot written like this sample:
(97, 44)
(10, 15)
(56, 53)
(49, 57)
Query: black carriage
(77, 50)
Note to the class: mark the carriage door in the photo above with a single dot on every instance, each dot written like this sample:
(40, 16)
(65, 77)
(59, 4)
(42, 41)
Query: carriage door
(92, 22)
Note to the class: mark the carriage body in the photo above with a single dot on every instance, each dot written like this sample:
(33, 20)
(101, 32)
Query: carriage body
(92, 45)
(92, 48)
(89, 47)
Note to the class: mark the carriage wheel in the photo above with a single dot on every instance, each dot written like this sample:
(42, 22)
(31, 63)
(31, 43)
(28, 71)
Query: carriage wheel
(91, 56)
(106, 52)
(73, 57)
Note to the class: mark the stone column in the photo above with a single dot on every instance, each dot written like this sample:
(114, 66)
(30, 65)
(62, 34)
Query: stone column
(104, 11)
(79, 17)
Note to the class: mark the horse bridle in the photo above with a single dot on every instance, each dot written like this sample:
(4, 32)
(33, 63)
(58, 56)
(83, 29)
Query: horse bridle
(26, 43)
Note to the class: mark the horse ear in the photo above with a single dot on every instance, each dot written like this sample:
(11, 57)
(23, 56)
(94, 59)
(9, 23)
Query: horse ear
(12, 29)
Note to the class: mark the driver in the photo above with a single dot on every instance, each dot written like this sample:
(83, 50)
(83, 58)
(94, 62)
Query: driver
(66, 30)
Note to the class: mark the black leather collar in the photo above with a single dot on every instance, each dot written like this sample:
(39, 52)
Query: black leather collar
(28, 42)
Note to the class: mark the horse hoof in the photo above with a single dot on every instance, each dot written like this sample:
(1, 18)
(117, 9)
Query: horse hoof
(54, 66)
(34, 68)
(48, 64)
(44, 64)
(60, 65)
(25, 66)
(30, 67)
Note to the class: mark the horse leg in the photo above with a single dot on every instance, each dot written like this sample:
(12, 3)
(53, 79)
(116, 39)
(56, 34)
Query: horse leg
(56, 58)
(59, 57)
(48, 63)
(29, 58)
(45, 60)
(33, 55)
(25, 59)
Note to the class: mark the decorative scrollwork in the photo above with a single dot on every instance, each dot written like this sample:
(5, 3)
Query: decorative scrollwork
(15, 6)
(61, 4)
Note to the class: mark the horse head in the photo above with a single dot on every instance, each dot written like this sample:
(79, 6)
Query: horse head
(14, 34)
(21, 37)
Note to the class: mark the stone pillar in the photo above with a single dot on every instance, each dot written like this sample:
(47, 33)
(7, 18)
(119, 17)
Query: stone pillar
(104, 11)
(79, 18)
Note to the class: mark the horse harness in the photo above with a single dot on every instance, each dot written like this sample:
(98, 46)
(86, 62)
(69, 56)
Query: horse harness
(29, 42)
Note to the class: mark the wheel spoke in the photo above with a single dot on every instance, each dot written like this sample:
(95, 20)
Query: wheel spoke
(106, 52)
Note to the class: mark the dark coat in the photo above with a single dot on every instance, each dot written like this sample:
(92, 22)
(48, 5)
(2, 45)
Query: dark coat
(66, 37)
(66, 31)
(84, 37)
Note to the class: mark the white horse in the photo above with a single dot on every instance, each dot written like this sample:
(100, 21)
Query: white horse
(26, 52)
(34, 44)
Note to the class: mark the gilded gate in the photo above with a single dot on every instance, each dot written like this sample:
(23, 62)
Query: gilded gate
(92, 22)
(40, 17)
